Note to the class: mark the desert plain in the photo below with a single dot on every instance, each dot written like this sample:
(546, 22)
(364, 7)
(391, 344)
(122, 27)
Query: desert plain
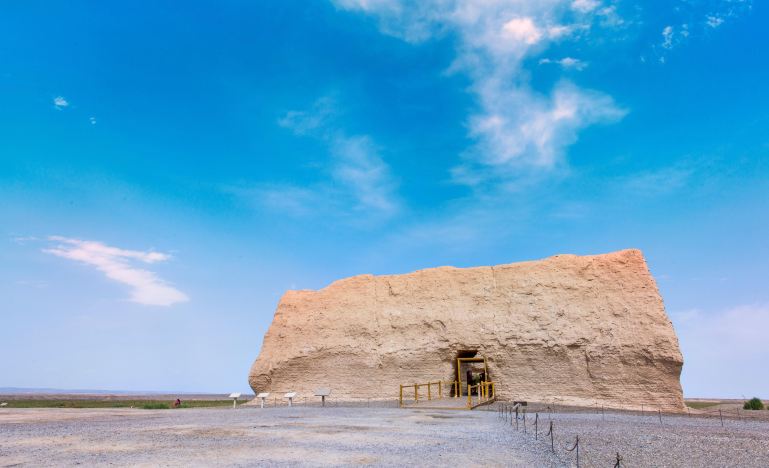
(366, 435)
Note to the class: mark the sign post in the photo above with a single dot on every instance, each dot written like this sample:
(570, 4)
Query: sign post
(323, 393)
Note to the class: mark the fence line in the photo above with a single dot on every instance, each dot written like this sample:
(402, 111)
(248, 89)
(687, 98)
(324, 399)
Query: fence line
(517, 412)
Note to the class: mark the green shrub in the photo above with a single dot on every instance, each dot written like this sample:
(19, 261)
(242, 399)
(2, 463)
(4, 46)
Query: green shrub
(155, 406)
(753, 404)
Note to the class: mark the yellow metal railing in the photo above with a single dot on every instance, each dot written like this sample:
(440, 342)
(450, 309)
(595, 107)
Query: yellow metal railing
(484, 390)
(429, 385)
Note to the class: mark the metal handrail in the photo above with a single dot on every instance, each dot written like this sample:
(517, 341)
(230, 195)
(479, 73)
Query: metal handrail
(429, 386)
(486, 392)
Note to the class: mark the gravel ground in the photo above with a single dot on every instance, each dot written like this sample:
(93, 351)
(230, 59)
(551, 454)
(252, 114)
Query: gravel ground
(652, 440)
(264, 437)
(366, 436)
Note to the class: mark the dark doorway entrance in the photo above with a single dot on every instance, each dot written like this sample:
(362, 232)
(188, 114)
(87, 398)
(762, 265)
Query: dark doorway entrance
(469, 368)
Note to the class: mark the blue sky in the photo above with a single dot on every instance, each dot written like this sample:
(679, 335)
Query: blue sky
(166, 174)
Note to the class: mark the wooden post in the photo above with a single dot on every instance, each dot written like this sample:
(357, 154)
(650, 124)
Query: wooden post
(440, 389)
(469, 397)
(429, 395)
(456, 389)
(416, 393)
(401, 397)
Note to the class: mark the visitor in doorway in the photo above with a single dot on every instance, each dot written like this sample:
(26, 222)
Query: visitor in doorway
(470, 379)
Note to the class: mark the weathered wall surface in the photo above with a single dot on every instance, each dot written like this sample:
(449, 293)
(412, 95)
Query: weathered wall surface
(569, 329)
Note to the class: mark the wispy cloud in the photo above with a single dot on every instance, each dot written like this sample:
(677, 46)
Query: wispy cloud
(515, 128)
(538, 132)
(118, 265)
(585, 6)
(358, 182)
(60, 103)
(566, 62)
(21, 240)
(657, 182)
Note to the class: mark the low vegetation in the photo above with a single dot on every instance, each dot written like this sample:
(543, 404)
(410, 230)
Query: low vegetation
(156, 405)
(753, 404)
(103, 403)
(701, 404)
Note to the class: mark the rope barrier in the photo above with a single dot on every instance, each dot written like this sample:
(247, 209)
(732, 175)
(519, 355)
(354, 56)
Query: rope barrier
(576, 446)
(550, 433)
(584, 459)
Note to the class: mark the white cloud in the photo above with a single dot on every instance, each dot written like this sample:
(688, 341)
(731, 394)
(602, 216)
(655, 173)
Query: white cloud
(540, 129)
(667, 37)
(566, 62)
(92, 120)
(116, 263)
(724, 351)
(585, 6)
(514, 127)
(522, 29)
(714, 21)
(692, 23)
(60, 103)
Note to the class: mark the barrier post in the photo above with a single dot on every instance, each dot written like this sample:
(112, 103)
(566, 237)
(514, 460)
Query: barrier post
(440, 389)
(429, 395)
(469, 397)
(401, 397)
(416, 393)
(552, 443)
(516, 418)
(456, 389)
(576, 447)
